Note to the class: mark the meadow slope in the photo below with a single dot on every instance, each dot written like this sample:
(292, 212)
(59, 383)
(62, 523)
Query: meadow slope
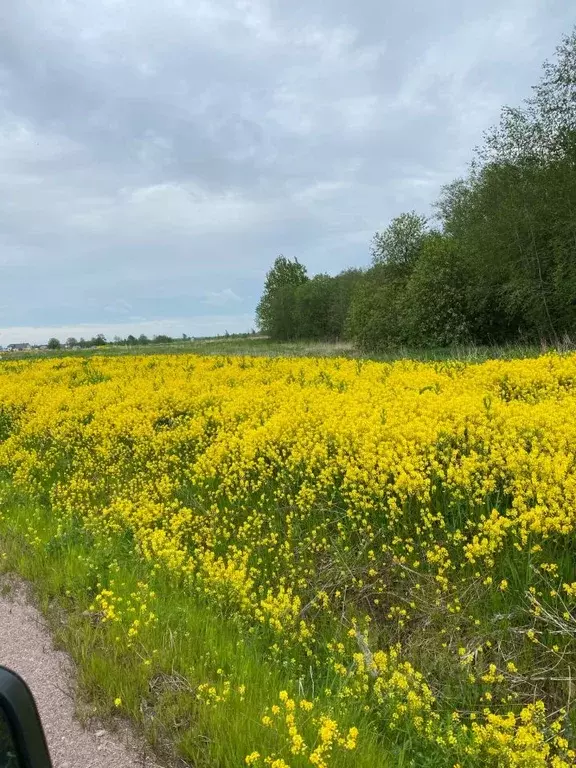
(294, 562)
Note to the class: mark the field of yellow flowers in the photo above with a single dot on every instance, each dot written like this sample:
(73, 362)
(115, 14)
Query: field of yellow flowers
(307, 562)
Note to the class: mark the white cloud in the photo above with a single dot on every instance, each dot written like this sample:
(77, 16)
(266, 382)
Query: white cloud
(169, 207)
(507, 34)
(23, 145)
(321, 190)
(119, 307)
(221, 298)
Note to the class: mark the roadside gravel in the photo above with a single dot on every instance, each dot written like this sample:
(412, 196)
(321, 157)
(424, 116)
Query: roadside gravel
(27, 648)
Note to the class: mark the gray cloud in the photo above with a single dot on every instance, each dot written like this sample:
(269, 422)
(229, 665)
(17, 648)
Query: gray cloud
(165, 153)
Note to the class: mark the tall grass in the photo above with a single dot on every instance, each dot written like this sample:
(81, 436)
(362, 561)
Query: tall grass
(262, 346)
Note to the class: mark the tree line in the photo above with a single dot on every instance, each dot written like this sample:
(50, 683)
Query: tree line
(100, 341)
(496, 265)
(142, 340)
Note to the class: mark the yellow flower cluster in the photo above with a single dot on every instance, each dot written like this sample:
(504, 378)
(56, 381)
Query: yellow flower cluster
(330, 507)
(131, 611)
(325, 733)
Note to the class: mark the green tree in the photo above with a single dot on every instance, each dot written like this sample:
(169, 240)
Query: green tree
(345, 284)
(436, 309)
(275, 312)
(476, 214)
(312, 303)
(515, 215)
(54, 343)
(515, 225)
(545, 126)
(399, 244)
(377, 311)
(71, 342)
(376, 317)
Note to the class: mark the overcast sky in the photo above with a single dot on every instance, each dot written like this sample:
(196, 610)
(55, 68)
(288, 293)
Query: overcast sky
(156, 155)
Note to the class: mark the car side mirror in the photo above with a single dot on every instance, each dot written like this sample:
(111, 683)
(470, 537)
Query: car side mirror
(22, 740)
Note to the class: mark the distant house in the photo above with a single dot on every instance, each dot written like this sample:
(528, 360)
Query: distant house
(17, 347)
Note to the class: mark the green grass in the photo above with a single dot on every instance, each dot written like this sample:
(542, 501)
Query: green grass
(261, 346)
(157, 676)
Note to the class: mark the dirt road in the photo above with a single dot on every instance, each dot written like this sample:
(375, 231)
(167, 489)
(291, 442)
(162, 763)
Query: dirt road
(26, 647)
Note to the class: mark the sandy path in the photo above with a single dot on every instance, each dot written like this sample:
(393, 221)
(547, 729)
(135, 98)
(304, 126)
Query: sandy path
(26, 647)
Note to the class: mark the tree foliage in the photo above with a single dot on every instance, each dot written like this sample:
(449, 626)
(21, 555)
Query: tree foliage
(275, 312)
(399, 244)
(435, 309)
(501, 266)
